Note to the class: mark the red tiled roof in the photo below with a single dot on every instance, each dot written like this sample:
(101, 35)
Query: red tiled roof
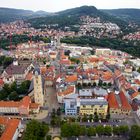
(134, 95)
(25, 102)
(9, 104)
(10, 127)
(112, 101)
(29, 76)
(124, 101)
(1, 82)
(137, 81)
(34, 105)
(69, 90)
(71, 78)
(68, 62)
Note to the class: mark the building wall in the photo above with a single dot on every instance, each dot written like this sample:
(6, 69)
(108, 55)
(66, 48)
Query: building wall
(23, 110)
(9, 110)
(91, 109)
(119, 111)
(15, 137)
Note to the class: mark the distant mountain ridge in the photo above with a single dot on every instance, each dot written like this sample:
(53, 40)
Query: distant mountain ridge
(118, 16)
(125, 14)
(10, 14)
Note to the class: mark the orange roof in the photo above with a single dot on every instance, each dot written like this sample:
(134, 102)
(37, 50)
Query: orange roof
(95, 77)
(117, 73)
(29, 76)
(137, 81)
(43, 70)
(52, 53)
(25, 102)
(112, 101)
(93, 59)
(10, 128)
(69, 90)
(9, 104)
(134, 94)
(1, 82)
(71, 78)
(34, 105)
(124, 101)
(107, 76)
(68, 62)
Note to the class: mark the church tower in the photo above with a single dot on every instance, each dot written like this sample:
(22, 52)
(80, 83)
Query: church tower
(38, 87)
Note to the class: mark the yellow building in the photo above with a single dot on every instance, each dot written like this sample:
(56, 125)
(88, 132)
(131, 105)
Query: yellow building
(90, 106)
(38, 88)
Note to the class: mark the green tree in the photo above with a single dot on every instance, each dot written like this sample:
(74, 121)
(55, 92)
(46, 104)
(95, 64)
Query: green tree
(135, 132)
(91, 131)
(7, 61)
(100, 83)
(96, 117)
(90, 117)
(138, 70)
(24, 87)
(35, 130)
(108, 130)
(100, 130)
(108, 116)
(109, 84)
(13, 86)
(58, 112)
(116, 130)
(13, 96)
(84, 119)
(123, 129)
(66, 130)
(75, 128)
(104, 84)
(82, 131)
(94, 84)
(48, 137)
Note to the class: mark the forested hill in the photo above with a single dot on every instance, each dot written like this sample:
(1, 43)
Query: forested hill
(10, 14)
(125, 14)
(72, 17)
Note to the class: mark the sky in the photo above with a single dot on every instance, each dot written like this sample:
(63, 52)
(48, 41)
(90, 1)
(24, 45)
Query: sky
(58, 5)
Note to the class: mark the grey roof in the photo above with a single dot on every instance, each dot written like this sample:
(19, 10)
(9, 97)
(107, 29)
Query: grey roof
(16, 69)
(93, 102)
(100, 91)
(85, 92)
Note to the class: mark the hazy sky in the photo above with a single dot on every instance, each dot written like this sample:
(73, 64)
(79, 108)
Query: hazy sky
(57, 5)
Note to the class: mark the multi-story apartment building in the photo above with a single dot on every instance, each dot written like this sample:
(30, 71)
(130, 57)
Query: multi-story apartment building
(92, 106)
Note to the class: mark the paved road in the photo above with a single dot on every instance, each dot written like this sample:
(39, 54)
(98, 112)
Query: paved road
(51, 98)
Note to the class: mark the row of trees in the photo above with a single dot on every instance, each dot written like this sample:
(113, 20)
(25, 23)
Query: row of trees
(56, 117)
(14, 91)
(36, 130)
(17, 39)
(118, 44)
(74, 129)
(100, 84)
